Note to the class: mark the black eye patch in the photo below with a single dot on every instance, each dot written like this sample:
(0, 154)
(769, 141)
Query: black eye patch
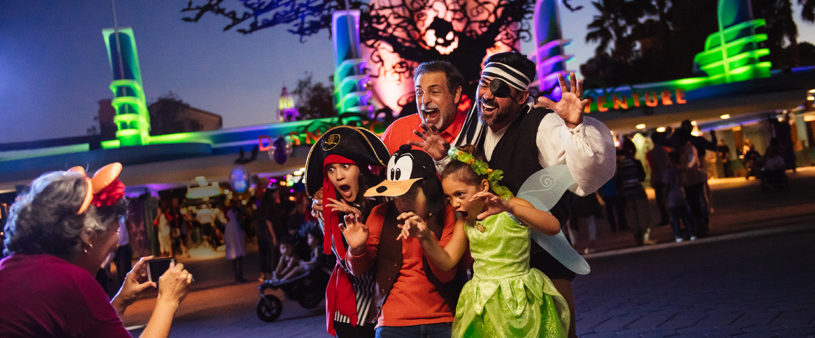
(499, 88)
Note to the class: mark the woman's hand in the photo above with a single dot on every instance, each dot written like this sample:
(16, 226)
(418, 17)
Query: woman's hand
(173, 287)
(355, 232)
(174, 284)
(134, 284)
(343, 207)
(413, 226)
(317, 205)
(493, 204)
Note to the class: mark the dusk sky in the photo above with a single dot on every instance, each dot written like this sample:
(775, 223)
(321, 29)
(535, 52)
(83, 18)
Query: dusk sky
(54, 68)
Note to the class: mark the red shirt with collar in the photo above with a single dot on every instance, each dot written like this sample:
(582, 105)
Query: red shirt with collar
(401, 130)
(413, 300)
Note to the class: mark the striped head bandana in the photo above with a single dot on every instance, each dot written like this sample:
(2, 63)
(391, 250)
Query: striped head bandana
(509, 75)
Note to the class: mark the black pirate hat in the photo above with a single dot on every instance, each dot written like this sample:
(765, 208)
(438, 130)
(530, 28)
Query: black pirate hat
(405, 167)
(354, 143)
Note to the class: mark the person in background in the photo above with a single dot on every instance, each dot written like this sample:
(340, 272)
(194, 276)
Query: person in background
(57, 236)
(658, 161)
(751, 159)
(693, 178)
(615, 205)
(630, 174)
(723, 157)
(289, 265)
(315, 245)
(675, 199)
(266, 234)
(235, 240)
(124, 253)
(162, 223)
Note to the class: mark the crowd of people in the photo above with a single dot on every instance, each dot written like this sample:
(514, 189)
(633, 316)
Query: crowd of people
(434, 229)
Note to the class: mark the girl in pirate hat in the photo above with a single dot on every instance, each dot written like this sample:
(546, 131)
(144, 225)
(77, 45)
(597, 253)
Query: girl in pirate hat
(338, 171)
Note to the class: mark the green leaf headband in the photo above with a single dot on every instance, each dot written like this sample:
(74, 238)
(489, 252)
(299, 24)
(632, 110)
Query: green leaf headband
(481, 168)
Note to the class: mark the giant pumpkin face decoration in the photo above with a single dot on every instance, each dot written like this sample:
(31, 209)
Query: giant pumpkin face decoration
(408, 32)
(441, 36)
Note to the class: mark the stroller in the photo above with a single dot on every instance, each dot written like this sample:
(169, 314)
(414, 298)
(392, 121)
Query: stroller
(307, 289)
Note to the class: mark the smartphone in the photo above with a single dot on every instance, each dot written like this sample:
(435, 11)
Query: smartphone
(157, 266)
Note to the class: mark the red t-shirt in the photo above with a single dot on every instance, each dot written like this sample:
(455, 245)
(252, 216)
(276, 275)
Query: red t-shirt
(46, 296)
(413, 300)
(401, 130)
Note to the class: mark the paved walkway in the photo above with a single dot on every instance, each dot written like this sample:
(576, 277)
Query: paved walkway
(759, 285)
(752, 277)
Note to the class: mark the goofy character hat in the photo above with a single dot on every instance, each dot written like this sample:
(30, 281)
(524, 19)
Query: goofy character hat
(405, 167)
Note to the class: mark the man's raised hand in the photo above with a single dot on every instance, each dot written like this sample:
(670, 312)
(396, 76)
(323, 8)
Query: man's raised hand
(571, 105)
(432, 142)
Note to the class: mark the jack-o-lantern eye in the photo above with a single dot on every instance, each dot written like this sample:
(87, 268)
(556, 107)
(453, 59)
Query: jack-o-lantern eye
(400, 167)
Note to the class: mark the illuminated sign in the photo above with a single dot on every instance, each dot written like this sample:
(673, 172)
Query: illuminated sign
(304, 137)
(634, 99)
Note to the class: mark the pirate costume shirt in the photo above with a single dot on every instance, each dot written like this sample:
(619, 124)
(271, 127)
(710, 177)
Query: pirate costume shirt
(539, 138)
(349, 298)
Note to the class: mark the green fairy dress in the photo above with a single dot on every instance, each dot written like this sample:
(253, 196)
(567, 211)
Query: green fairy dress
(507, 298)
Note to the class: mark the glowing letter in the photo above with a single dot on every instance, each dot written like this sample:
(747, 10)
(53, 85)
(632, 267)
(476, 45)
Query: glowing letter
(618, 103)
(666, 98)
(651, 100)
(601, 104)
(680, 96)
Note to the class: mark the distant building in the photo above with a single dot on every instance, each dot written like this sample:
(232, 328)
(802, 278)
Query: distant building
(170, 115)
(107, 128)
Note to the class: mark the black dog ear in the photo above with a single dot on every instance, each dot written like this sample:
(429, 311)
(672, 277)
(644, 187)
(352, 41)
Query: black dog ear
(499, 88)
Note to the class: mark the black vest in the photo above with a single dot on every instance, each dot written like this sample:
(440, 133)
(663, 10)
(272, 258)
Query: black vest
(517, 155)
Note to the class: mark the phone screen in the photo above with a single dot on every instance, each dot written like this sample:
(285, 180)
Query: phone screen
(156, 267)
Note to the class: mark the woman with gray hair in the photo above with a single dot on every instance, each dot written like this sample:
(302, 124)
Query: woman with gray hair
(57, 237)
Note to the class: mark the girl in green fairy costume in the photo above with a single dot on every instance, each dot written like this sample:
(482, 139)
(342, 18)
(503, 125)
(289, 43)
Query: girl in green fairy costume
(505, 298)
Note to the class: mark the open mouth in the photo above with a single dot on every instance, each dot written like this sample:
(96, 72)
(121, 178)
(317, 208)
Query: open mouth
(431, 116)
(345, 190)
(488, 107)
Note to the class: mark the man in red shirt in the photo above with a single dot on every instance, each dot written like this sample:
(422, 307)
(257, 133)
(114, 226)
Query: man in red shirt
(438, 86)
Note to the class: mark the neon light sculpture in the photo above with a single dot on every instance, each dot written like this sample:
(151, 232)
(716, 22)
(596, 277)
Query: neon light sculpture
(350, 79)
(549, 55)
(132, 118)
(732, 54)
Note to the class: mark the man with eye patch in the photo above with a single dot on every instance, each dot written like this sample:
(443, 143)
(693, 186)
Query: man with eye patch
(521, 138)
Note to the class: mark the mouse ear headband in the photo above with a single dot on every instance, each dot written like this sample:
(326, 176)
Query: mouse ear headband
(104, 188)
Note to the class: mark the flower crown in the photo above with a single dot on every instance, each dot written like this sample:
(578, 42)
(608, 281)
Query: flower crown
(482, 168)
